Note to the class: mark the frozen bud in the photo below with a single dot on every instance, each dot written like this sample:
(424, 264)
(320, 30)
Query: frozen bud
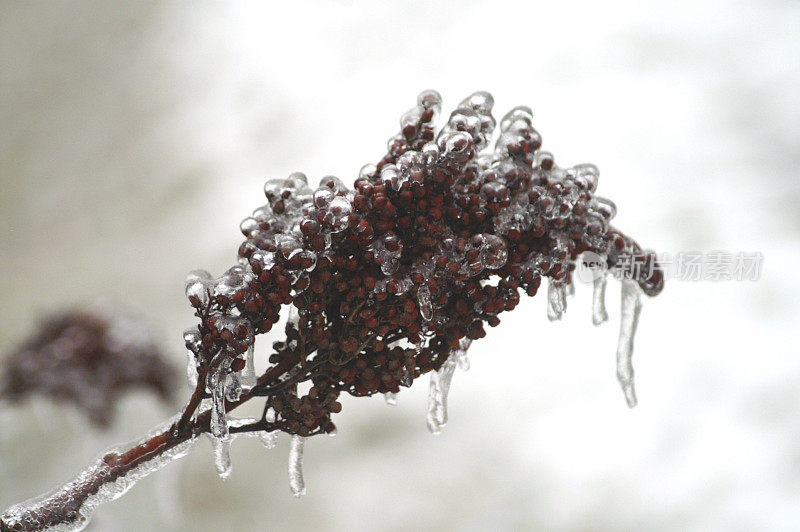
(494, 191)
(455, 143)
(391, 177)
(521, 112)
(465, 120)
(297, 180)
(248, 225)
(338, 214)
(480, 101)
(585, 175)
(543, 160)
(605, 207)
(430, 153)
(430, 99)
(197, 276)
(322, 197)
(409, 122)
(333, 183)
(368, 170)
(262, 261)
(197, 294)
(288, 246)
(493, 252)
(192, 339)
(196, 288)
(273, 188)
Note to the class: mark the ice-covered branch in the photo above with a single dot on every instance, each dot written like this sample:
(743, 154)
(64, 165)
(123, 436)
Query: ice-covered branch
(383, 283)
(70, 506)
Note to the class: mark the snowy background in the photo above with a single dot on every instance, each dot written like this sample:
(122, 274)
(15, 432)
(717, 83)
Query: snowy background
(134, 137)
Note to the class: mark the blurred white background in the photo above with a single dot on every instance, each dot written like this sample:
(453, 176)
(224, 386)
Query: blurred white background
(135, 136)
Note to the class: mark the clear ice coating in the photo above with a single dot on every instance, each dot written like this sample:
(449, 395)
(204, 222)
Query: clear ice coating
(630, 310)
(556, 300)
(296, 482)
(437, 394)
(43, 512)
(599, 314)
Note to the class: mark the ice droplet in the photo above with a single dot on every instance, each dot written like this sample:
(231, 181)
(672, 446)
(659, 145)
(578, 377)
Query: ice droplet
(296, 482)
(599, 314)
(437, 394)
(630, 310)
(556, 300)
(390, 398)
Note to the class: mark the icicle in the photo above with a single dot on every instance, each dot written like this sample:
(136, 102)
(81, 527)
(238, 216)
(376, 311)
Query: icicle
(220, 435)
(219, 421)
(296, 482)
(631, 307)
(222, 456)
(390, 398)
(191, 370)
(248, 374)
(599, 314)
(38, 513)
(556, 301)
(437, 395)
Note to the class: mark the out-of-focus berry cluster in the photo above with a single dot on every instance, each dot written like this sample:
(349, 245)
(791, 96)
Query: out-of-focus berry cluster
(430, 245)
(89, 358)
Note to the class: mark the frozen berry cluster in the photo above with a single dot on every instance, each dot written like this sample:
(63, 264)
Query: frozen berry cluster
(385, 279)
(89, 358)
